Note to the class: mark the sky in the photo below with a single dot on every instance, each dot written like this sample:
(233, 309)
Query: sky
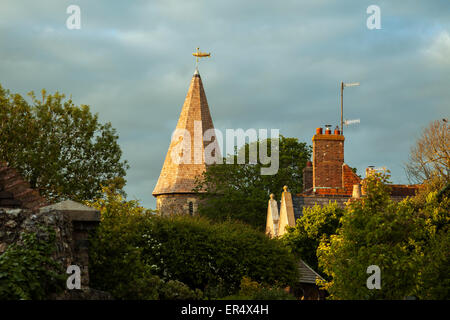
(274, 65)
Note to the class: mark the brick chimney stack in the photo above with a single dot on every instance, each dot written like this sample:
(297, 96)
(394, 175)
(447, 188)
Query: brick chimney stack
(328, 159)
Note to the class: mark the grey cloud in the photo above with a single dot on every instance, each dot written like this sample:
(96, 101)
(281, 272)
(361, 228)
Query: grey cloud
(273, 65)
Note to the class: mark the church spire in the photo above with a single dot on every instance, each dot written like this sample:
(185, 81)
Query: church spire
(173, 190)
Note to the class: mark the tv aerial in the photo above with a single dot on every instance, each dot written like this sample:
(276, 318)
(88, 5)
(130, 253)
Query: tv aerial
(343, 85)
(349, 122)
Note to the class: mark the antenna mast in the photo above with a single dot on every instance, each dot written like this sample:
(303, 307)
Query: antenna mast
(353, 84)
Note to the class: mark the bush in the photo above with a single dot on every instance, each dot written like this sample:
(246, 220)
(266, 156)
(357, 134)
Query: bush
(27, 270)
(132, 246)
(252, 290)
(215, 256)
(116, 261)
(176, 290)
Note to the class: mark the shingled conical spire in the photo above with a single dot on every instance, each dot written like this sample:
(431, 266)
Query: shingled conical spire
(173, 190)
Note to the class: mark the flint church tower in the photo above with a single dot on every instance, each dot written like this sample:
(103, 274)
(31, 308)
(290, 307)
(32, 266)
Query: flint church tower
(185, 159)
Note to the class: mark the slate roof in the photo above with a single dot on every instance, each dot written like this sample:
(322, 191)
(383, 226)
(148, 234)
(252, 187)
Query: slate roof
(307, 274)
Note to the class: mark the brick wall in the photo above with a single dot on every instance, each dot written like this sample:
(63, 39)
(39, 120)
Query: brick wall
(15, 192)
(307, 176)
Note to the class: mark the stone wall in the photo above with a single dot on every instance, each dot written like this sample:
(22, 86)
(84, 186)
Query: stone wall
(181, 203)
(15, 221)
(72, 224)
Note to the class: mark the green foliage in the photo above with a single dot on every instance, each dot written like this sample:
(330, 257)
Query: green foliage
(407, 240)
(239, 191)
(60, 148)
(116, 261)
(202, 254)
(317, 223)
(27, 270)
(252, 290)
(176, 290)
(133, 246)
(434, 267)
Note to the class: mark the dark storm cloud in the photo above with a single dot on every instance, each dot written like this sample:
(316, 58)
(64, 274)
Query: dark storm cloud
(274, 65)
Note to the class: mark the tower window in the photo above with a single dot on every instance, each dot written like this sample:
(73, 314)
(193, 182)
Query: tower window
(191, 208)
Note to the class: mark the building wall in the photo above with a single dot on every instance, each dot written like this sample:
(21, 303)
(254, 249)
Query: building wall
(301, 201)
(178, 203)
(307, 177)
(71, 231)
(328, 158)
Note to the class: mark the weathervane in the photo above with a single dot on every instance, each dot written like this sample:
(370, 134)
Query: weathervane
(198, 55)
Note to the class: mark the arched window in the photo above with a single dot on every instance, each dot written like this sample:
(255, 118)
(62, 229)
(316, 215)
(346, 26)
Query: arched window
(191, 208)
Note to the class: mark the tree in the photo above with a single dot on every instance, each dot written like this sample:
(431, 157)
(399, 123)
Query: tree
(61, 149)
(433, 206)
(430, 156)
(240, 192)
(316, 224)
(408, 241)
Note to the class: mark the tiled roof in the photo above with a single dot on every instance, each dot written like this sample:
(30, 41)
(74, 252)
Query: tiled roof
(349, 178)
(15, 192)
(307, 274)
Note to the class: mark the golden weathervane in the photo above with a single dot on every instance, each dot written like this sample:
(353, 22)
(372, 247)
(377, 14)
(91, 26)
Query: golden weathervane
(199, 54)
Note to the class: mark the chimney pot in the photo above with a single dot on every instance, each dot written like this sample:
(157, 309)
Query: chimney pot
(318, 130)
(356, 191)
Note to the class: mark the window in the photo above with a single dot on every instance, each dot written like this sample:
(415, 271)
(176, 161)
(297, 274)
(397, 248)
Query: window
(191, 208)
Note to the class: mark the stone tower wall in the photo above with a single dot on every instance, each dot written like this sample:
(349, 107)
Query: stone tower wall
(177, 203)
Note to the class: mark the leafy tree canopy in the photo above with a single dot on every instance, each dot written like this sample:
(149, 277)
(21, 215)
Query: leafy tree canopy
(316, 223)
(60, 148)
(409, 241)
(239, 191)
